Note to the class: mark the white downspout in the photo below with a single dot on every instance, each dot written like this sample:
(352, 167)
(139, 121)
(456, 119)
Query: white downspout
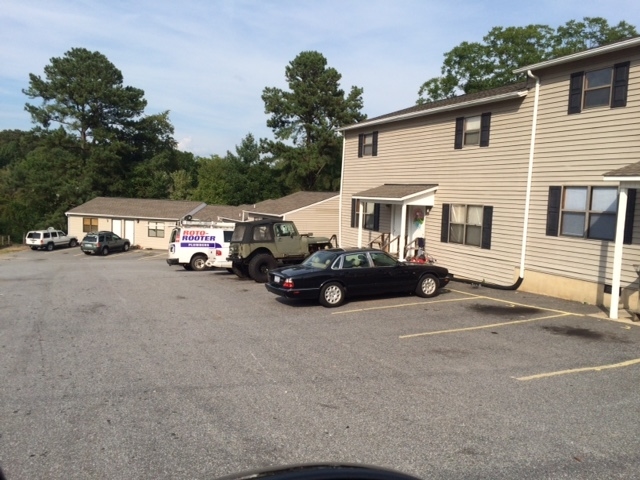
(527, 200)
(344, 142)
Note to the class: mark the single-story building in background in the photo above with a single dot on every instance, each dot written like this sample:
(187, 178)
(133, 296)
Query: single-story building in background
(147, 223)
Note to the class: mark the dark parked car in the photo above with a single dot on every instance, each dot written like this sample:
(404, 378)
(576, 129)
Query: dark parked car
(101, 243)
(331, 275)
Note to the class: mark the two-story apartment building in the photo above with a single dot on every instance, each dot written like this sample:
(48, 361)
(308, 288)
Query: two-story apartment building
(522, 186)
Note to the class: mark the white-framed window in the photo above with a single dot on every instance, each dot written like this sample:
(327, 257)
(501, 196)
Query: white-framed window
(156, 229)
(369, 215)
(465, 224)
(589, 212)
(89, 224)
(605, 87)
(368, 144)
(597, 88)
(472, 130)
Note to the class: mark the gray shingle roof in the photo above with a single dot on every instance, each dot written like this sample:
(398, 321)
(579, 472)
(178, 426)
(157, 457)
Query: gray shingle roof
(295, 201)
(214, 213)
(137, 208)
(396, 191)
(486, 94)
(632, 170)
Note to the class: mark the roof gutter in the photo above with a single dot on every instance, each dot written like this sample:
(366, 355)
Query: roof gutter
(433, 111)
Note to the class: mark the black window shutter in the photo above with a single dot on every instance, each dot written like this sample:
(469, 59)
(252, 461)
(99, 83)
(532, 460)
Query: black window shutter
(487, 221)
(575, 93)
(628, 221)
(553, 211)
(374, 149)
(457, 144)
(620, 83)
(444, 229)
(354, 216)
(360, 144)
(485, 125)
(376, 217)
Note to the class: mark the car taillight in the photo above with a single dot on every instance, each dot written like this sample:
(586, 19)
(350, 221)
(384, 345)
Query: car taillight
(218, 253)
(288, 283)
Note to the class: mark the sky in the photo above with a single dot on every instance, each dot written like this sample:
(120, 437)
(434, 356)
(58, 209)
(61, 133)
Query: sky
(207, 62)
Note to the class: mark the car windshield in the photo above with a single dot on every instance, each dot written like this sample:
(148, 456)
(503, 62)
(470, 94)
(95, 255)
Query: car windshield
(90, 238)
(320, 259)
(33, 235)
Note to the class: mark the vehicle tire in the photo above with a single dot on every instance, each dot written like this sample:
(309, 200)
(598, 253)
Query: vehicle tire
(198, 262)
(332, 295)
(125, 247)
(34, 248)
(49, 247)
(105, 251)
(73, 243)
(187, 266)
(260, 265)
(427, 286)
(240, 270)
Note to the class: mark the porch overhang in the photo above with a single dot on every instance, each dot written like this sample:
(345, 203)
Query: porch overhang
(627, 178)
(400, 194)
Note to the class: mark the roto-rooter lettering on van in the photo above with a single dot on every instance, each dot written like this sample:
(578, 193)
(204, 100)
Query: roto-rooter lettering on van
(196, 245)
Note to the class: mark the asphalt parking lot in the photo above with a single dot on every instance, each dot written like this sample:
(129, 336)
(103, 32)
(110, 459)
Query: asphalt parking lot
(122, 366)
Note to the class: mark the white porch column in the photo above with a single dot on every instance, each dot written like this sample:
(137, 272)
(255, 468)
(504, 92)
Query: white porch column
(360, 222)
(403, 231)
(617, 253)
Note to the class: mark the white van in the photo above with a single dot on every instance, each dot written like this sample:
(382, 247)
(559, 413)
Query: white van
(196, 244)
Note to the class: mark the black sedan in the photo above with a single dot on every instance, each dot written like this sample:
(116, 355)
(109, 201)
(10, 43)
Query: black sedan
(331, 275)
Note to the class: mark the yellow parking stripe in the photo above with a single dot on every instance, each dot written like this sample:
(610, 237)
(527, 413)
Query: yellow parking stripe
(515, 303)
(480, 327)
(578, 370)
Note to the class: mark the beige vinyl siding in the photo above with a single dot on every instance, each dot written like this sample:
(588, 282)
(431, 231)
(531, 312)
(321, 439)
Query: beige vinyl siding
(576, 150)
(74, 225)
(141, 231)
(422, 151)
(321, 219)
(157, 243)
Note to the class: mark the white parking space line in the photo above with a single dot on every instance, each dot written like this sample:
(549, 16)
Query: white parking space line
(145, 257)
(580, 370)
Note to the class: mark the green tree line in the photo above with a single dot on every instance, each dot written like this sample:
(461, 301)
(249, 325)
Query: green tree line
(92, 137)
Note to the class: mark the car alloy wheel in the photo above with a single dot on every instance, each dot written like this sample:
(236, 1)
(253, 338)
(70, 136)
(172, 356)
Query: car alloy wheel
(332, 295)
(427, 286)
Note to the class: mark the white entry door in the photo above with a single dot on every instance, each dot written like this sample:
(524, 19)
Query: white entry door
(130, 231)
(116, 227)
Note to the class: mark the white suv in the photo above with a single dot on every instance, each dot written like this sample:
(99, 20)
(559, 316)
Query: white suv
(49, 239)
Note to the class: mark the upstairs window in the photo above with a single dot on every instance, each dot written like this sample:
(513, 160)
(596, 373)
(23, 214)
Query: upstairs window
(606, 87)
(472, 131)
(368, 144)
